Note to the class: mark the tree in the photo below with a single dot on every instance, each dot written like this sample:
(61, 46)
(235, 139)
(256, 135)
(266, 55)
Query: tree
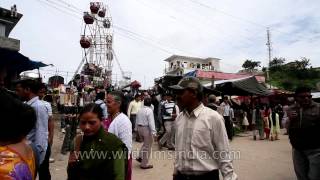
(276, 62)
(251, 65)
(264, 69)
(304, 63)
(297, 65)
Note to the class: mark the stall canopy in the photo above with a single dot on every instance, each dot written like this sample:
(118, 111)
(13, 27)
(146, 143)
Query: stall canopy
(15, 61)
(168, 80)
(241, 87)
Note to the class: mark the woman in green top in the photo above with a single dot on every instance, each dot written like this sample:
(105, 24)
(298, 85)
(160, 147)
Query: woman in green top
(97, 154)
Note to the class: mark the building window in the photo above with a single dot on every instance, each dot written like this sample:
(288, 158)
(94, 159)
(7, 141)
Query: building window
(185, 65)
(203, 66)
(171, 65)
(198, 66)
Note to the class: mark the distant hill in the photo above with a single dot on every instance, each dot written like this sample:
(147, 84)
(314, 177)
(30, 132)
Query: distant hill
(294, 74)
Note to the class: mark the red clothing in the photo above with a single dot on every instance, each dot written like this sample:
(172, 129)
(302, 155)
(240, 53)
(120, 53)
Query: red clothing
(106, 123)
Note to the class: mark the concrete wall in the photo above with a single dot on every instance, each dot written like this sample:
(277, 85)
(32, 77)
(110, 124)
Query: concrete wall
(9, 43)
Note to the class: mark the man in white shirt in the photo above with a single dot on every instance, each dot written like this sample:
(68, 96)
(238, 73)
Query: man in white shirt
(226, 113)
(200, 136)
(145, 126)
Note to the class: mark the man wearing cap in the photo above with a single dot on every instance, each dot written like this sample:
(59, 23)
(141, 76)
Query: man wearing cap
(200, 136)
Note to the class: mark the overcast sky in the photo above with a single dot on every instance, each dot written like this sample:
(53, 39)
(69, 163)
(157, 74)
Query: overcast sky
(148, 31)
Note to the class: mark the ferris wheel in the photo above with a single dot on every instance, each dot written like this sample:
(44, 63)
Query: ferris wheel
(96, 41)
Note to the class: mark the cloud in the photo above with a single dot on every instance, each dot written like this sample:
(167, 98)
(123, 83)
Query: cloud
(230, 30)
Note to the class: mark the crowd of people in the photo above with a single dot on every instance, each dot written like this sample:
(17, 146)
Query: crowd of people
(182, 119)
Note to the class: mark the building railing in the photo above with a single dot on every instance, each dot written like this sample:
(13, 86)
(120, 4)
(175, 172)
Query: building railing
(173, 68)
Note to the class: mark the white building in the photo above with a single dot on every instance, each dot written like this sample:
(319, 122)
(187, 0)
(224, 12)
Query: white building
(179, 65)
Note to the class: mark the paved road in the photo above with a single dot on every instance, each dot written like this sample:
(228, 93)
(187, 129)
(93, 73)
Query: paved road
(259, 160)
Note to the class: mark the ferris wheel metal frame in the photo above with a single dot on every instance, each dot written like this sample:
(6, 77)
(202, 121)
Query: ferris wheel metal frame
(97, 41)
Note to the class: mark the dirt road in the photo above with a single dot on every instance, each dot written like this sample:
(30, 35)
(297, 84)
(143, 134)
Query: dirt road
(259, 160)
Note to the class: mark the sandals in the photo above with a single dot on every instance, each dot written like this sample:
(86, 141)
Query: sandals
(147, 167)
(139, 160)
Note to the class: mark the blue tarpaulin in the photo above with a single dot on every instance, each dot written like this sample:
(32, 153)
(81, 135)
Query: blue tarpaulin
(192, 74)
(15, 61)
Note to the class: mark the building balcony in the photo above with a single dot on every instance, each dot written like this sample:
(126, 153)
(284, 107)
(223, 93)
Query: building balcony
(177, 68)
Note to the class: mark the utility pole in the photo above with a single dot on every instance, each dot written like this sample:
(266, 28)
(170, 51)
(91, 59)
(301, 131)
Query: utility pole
(67, 78)
(116, 78)
(269, 53)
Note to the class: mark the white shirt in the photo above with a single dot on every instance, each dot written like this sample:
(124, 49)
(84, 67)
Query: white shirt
(202, 133)
(48, 107)
(226, 109)
(145, 118)
(81, 102)
(122, 128)
(61, 99)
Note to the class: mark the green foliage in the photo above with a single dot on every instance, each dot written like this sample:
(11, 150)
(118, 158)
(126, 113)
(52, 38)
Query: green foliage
(251, 65)
(276, 64)
(237, 130)
(291, 75)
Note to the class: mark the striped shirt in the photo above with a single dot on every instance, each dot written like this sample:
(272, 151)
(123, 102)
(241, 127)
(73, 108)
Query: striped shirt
(168, 110)
(199, 135)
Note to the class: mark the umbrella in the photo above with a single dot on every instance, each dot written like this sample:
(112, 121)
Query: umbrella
(135, 84)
